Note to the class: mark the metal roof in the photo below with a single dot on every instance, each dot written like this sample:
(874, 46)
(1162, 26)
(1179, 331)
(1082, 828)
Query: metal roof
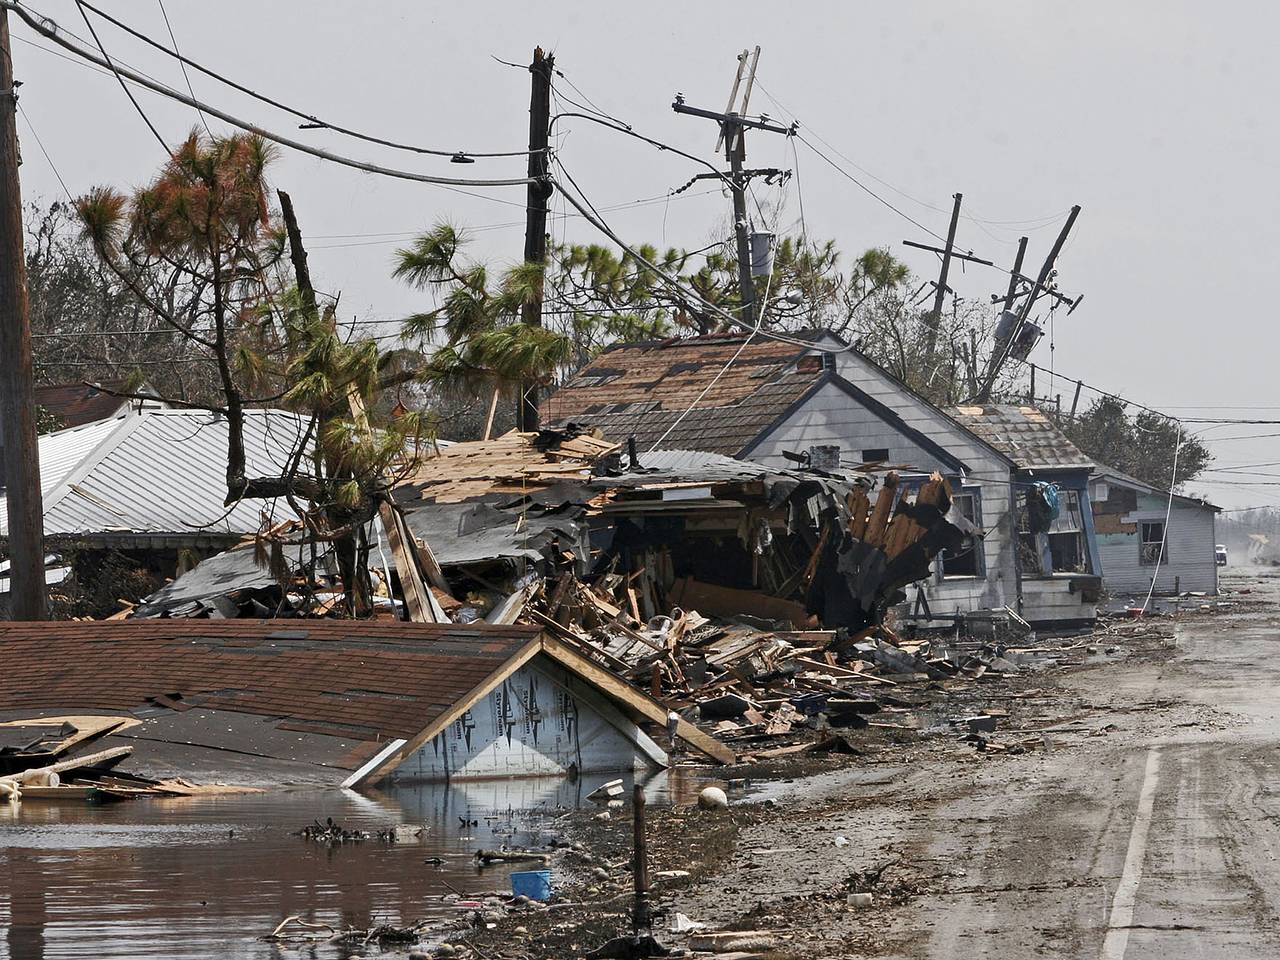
(159, 472)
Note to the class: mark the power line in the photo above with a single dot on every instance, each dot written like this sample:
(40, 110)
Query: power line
(123, 86)
(303, 115)
(54, 33)
(401, 235)
(871, 193)
(1043, 221)
(182, 64)
(48, 159)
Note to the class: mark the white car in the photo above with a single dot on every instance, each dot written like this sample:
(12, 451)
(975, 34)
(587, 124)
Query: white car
(1220, 554)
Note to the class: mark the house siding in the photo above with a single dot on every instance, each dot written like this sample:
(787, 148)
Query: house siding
(833, 416)
(1190, 538)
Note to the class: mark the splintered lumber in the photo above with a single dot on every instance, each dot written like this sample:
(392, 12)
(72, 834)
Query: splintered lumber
(720, 601)
(859, 506)
(101, 758)
(811, 568)
(878, 525)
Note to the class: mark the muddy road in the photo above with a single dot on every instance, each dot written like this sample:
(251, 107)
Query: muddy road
(1146, 826)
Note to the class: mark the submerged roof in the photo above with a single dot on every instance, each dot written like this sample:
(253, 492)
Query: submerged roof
(159, 472)
(388, 686)
(1023, 434)
(370, 681)
(641, 389)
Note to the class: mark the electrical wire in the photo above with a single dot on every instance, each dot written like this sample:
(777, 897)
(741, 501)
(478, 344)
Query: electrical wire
(185, 76)
(760, 315)
(42, 26)
(40, 143)
(123, 86)
(871, 193)
(301, 114)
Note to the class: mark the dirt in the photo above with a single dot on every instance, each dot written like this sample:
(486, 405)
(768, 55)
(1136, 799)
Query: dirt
(896, 820)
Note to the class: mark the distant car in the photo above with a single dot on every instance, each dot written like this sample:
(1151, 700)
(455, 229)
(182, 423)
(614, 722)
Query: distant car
(1220, 554)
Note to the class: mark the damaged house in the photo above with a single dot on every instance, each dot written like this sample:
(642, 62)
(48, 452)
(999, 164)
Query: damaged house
(1142, 536)
(112, 706)
(149, 485)
(820, 402)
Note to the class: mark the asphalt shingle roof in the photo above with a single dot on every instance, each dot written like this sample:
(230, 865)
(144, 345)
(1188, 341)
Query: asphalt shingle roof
(641, 389)
(364, 681)
(1023, 434)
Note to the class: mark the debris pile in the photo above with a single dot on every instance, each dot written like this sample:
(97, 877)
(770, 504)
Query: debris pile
(44, 759)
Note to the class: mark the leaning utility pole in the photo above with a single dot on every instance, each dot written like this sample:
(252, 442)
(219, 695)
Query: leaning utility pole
(17, 404)
(535, 228)
(935, 318)
(733, 122)
(1002, 348)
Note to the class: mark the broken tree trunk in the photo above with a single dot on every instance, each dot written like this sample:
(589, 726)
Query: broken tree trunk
(410, 562)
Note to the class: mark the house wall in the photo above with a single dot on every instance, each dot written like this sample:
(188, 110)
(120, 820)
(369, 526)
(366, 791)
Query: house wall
(832, 415)
(1189, 563)
(540, 721)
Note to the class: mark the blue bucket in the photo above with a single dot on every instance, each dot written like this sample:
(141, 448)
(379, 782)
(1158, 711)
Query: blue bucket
(534, 884)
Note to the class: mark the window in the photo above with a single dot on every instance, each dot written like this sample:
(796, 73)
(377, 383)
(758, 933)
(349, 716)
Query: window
(1061, 547)
(876, 455)
(1066, 535)
(1152, 542)
(966, 560)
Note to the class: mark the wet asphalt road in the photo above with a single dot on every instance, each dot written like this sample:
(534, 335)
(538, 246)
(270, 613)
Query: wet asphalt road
(1157, 841)
(1149, 830)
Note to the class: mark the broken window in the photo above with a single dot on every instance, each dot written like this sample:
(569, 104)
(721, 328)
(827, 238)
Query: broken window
(1152, 542)
(967, 559)
(1067, 542)
(1063, 547)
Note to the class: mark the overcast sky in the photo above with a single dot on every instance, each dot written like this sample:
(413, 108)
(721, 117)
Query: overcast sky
(1157, 117)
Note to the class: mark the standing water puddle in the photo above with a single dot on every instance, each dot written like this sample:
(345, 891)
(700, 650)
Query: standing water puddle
(206, 877)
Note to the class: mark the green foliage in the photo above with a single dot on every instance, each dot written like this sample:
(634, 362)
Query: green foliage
(1141, 446)
(47, 421)
(485, 343)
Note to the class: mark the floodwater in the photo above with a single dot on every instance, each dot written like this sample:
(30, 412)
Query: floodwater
(207, 877)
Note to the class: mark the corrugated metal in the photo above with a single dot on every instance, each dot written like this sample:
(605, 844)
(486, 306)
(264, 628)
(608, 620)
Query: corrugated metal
(62, 452)
(163, 471)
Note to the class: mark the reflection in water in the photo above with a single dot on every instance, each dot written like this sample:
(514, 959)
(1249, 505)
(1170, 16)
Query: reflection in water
(204, 877)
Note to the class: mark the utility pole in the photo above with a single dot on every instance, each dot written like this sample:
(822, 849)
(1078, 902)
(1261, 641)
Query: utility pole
(535, 228)
(935, 318)
(17, 403)
(733, 124)
(735, 145)
(1001, 350)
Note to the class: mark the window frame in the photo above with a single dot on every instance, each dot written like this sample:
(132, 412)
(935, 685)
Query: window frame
(977, 542)
(1161, 553)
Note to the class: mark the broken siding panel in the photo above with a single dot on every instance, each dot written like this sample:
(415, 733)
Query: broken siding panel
(540, 721)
